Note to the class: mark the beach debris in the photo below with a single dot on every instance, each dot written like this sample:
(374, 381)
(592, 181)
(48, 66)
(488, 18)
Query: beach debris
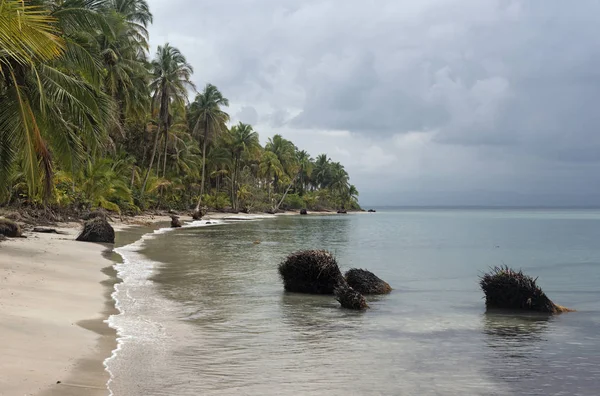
(10, 228)
(366, 282)
(97, 230)
(311, 271)
(506, 288)
(350, 298)
(303, 211)
(44, 230)
(256, 242)
(175, 222)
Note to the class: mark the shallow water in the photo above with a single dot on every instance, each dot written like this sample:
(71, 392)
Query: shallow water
(204, 311)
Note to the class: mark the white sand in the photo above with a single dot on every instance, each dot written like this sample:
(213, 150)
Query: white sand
(48, 284)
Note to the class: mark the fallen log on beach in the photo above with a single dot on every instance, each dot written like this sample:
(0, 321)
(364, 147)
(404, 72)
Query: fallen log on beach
(505, 288)
(44, 230)
(97, 230)
(366, 282)
(311, 271)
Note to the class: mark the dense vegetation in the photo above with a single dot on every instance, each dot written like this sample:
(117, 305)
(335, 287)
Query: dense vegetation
(88, 119)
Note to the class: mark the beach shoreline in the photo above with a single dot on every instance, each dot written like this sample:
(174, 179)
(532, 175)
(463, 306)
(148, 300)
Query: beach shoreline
(55, 301)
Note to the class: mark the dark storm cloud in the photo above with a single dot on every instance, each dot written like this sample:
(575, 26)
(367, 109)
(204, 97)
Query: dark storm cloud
(491, 86)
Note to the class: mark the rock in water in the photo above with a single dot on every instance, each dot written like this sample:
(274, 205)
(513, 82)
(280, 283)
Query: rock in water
(197, 215)
(506, 288)
(350, 298)
(311, 271)
(175, 222)
(303, 211)
(9, 228)
(366, 282)
(97, 230)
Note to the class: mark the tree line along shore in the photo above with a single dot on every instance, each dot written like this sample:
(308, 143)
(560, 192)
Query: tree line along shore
(90, 120)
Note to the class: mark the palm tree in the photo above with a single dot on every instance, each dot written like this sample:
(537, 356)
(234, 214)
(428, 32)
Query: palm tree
(170, 80)
(285, 152)
(322, 170)
(48, 92)
(270, 168)
(244, 140)
(339, 181)
(209, 122)
(306, 168)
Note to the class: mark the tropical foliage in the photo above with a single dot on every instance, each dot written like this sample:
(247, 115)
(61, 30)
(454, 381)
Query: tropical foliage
(89, 119)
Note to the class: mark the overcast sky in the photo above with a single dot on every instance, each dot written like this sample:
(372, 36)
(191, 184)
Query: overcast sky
(429, 102)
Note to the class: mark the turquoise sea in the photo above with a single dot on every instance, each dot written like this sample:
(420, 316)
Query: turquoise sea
(203, 311)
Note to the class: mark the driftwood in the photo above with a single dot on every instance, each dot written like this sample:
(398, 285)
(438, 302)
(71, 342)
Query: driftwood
(44, 230)
(311, 271)
(10, 228)
(97, 230)
(366, 282)
(506, 288)
(350, 298)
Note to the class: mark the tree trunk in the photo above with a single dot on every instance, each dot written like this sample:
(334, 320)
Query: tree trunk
(132, 176)
(162, 188)
(284, 195)
(151, 162)
(235, 188)
(203, 165)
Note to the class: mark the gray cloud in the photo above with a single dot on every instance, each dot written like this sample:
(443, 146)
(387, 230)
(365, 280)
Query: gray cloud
(497, 96)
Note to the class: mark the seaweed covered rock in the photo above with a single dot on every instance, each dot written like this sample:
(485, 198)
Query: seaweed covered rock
(366, 282)
(303, 211)
(175, 222)
(311, 271)
(9, 228)
(97, 230)
(350, 298)
(506, 288)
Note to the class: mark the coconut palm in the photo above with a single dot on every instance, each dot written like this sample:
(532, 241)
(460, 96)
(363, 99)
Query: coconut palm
(209, 122)
(286, 154)
(270, 167)
(306, 169)
(170, 81)
(48, 92)
(322, 171)
(244, 140)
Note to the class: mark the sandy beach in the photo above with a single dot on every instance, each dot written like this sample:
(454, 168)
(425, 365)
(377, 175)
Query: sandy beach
(53, 300)
(55, 295)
